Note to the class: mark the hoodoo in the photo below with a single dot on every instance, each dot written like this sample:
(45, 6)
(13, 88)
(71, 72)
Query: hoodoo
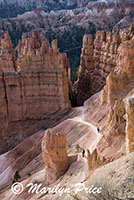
(33, 89)
(98, 59)
(54, 148)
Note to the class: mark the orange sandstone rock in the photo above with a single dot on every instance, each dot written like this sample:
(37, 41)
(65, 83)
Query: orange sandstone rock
(118, 91)
(93, 160)
(116, 120)
(120, 82)
(7, 55)
(54, 148)
(31, 97)
(89, 160)
(98, 59)
(86, 65)
(130, 125)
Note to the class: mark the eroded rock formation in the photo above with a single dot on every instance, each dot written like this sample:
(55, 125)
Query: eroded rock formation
(98, 58)
(54, 148)
(89, 160)
(110, 57)
(118, 91)
(122, 76)
(83, 85)
(116, 118)
(130, 125)
(101, 57)
(7, 56)
(93, 160)
(33, 89)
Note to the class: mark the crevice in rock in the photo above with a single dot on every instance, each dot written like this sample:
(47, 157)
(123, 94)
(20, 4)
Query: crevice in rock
(5, 90)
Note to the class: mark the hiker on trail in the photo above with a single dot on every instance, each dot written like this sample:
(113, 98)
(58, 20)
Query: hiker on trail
(83, 152)
(98, 130)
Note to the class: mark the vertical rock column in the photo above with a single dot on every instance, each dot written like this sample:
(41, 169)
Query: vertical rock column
(89, 160)
(92, 160)
(54, 148)
(130, 125)
(7, 54)
(85, 70)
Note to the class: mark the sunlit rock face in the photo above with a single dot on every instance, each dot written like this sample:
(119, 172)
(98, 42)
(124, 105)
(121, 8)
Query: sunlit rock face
(54, 148)
(93, 160)
(33, 89)
(116, 118)
(122, 74)
(130, 125)
(119, 92)
(7, 56)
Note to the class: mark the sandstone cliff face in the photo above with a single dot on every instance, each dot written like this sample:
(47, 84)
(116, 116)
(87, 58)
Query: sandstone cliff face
(121, 78)
(38, 89)
(7, 57)
(116, 118)
(98, 58)
(118, 91)
(101, 57)
(84, 73)
(113, 56)
(130, 125)
(54, 148)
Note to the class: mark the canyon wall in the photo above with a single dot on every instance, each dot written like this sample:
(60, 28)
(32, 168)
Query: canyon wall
(107, 65)
(7, 56)
(83, 85)
(119, 90)
(98, 59)
(34, 90)
(130, 125)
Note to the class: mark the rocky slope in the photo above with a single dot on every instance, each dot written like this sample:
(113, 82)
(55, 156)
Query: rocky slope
(115, 179)
(34, 89)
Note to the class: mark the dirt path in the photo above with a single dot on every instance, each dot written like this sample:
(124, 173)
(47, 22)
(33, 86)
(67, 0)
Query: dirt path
(81, 119)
